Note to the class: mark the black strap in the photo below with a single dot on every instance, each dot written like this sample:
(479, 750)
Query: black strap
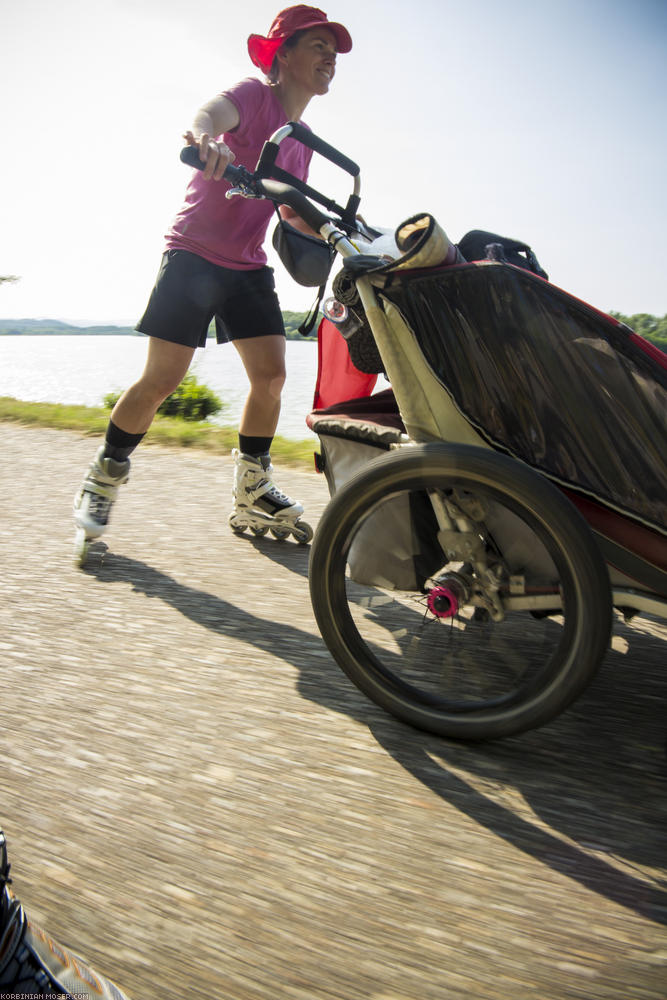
(309, 321)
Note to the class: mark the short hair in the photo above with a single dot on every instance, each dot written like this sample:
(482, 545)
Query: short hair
(289, 43)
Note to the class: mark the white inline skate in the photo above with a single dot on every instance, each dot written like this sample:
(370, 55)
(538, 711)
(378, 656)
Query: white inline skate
(260, 505)
(93, 502)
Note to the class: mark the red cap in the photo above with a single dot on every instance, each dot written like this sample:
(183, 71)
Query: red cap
(299, 18)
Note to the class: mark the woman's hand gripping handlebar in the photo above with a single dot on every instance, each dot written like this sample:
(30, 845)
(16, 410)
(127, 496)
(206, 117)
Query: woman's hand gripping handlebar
(249, 186)
(239, 176)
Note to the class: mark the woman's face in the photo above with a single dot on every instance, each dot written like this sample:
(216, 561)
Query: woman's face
(312, 61)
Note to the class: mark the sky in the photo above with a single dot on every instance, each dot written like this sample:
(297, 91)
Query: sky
(542, 120)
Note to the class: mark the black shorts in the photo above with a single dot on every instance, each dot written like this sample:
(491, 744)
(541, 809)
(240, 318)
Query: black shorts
(190, 291)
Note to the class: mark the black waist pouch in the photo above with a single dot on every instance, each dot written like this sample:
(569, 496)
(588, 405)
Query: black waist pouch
(306, 258)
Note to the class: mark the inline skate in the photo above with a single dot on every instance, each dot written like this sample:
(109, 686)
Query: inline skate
(93, 502)
(32, 964)
(260, 505)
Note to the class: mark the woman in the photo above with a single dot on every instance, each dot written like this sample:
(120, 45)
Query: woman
(214, 267)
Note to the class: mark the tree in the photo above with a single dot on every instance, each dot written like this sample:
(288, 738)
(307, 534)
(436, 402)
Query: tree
(654, 328)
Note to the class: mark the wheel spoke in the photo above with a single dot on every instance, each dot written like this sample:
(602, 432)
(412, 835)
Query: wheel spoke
(413, 574)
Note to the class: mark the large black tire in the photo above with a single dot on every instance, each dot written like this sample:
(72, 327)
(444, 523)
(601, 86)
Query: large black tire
(467, 676)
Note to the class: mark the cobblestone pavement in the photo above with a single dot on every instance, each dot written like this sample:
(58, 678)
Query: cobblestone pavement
(198, 800)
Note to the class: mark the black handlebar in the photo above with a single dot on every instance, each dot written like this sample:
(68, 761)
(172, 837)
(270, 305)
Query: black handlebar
(308, 138)
(233, 174)
(285, 194)
(276, 191)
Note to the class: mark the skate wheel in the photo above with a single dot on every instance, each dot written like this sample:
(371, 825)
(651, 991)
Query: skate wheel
(280, 534)
(237, 526)
(81, 547)
(258, 531)
(302, 532)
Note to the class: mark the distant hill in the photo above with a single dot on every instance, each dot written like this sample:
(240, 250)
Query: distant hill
(55, 328)
(654, 328)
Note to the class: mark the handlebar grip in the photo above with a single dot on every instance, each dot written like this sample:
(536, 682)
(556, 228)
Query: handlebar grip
(190, 156)
(285, 194)
(308, 138)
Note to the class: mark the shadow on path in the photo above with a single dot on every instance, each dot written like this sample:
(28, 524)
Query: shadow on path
(324, 681)
(596, 775)
(288, 554)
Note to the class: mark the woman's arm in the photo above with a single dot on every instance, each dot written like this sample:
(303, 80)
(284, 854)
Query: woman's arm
(212, 119)
(290, 216)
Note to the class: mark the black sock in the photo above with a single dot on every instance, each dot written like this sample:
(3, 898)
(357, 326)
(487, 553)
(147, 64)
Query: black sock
(255, 446)
(119, 444)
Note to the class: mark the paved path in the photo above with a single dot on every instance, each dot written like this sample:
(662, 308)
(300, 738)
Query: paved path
(198, 800)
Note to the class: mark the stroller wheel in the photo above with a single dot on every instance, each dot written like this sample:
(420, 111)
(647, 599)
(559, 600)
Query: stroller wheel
(460, 591)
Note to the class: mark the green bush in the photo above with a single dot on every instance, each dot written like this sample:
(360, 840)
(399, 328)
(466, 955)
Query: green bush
(110, 400)
(653, 328)
(191, 401)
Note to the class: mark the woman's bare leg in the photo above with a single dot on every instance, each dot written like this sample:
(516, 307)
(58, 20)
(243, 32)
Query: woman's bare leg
(264, 361)
(166, 366)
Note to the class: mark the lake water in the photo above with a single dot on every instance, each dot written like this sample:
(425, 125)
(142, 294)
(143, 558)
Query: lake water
(83, 369)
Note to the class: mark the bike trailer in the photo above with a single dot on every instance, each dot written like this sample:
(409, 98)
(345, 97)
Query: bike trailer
(492, 354)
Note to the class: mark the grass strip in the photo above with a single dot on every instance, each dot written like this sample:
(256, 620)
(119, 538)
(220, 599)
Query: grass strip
(168, 431)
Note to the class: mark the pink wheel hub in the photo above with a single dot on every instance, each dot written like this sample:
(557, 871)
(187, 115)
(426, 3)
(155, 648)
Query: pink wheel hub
(443, 602)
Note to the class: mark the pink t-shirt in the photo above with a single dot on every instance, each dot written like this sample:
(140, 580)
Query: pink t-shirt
(230, 231)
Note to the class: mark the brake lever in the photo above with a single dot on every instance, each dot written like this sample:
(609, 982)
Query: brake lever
(245, 191)
(247, 185)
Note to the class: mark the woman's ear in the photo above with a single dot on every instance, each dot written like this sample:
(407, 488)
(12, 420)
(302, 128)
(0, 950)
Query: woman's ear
(282, 55)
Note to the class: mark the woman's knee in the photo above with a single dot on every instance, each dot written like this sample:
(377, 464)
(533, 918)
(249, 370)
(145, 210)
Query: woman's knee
(166, 367)
(156, 386)
(270, 381)
(266, 373)
(277, 379)
(264, 361)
